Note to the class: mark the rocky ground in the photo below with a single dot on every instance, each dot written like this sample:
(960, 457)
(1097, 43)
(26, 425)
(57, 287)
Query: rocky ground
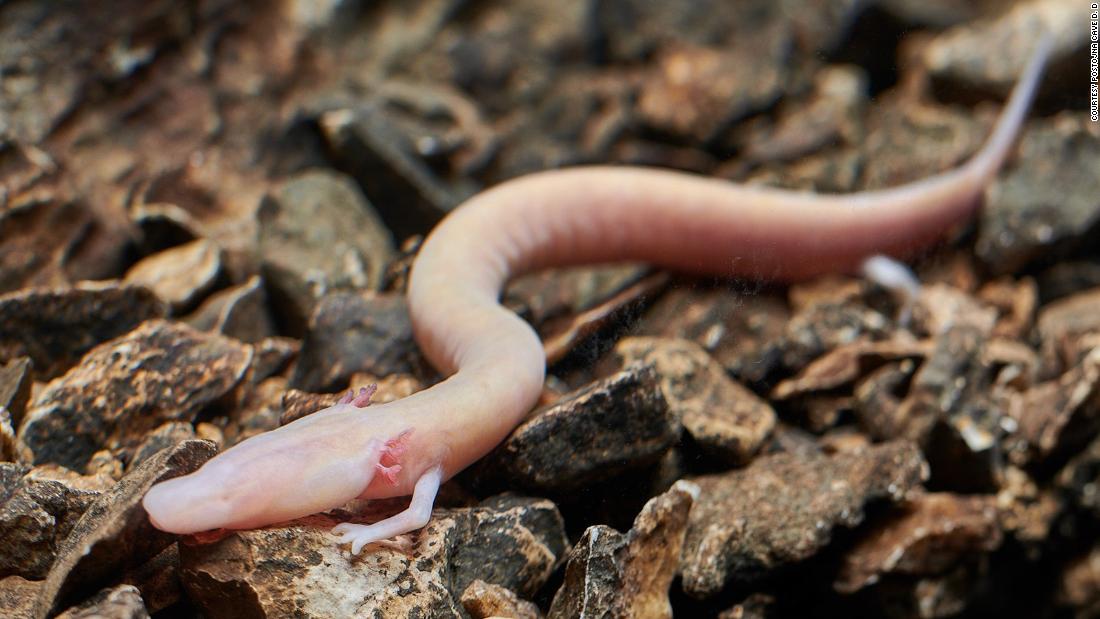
(208, 210)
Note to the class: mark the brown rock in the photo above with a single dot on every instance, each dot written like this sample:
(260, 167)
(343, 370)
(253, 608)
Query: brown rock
(743, 332)
(271, 356)
(1056, 416)
(483, 600)
(782, 509)
(114, 533)
(319, 234)
(1080, 478)
(1063, 324)
(15, 388)
(723, 417)
(38, 509)
(17, 596)
(56, 327)
(181, 275)
(118, 602)
(1045, 204)
(617, 424)
(351, 333)
(923, 537)
(240, 312)
(297, 569)
(697, 91)
(844, 364)
(164, 437)
(8, 448)
(610, 574)
(163, 371)
(960, 53)
(1079, 586)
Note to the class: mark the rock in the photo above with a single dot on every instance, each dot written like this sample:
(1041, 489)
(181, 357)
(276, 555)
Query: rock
(923, 537)
(782, 509)
(297, 569)
(119, 602)
(165, 437)
(272, 356)
(743, 332)
(240, 312)
(15, 388)
(1079, 584)
(610, 574)
(960, 53)
(38, 509)
(615, 425)
(724, 418)
(1056, 417)
(482, 600)
(696, 92)
(17, 596)
(1046, 202)
(179, 276)
(56, 327)
(115, 533)
(319, 234)
(367, 143)
(1064, 326)
(351, 333)
(124, 388)
(1080, 478)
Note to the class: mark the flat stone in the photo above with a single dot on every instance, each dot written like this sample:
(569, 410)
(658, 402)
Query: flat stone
(960, 53)
(118, 602)
(1056, 416)
(240, 312)
(297, 568)
(1064, 325)
(483, 600)
(17, 596)
(114, 533)
(162, 371)
(181, 275)
(351, 333)
(38, 509)
(782, 509)
(15, 387)
(743, 332)
(926, 536)
(1045, 203)
(56, 327)
(319, 234)
(724, 418)
(618, 424)
(612, 574)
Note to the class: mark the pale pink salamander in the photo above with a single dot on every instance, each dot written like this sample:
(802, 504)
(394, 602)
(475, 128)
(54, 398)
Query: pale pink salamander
(563, 217)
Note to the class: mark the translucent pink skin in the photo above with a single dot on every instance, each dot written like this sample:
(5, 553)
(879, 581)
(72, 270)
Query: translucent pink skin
(555, 218)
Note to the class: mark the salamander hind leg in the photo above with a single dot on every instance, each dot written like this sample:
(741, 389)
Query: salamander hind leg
(413, 518)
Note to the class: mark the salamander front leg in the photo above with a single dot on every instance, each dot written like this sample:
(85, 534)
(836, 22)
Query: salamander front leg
(413, 518)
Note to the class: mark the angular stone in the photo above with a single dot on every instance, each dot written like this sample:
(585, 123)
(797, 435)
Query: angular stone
(114, 533)
(38, 509)
(296, 568)
(163, 371)
(351, 333)
(118, 602)
(319, 234)
(15, 387)
(240, 312)
(611, 574)
(483, 600)
(1046, 202)
(923, 537)
(594, 434)
(56, 327)
(181, 275)
(1055, 417)
(960, 54)
(782, 509)
(724, 418)
(17, 596)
